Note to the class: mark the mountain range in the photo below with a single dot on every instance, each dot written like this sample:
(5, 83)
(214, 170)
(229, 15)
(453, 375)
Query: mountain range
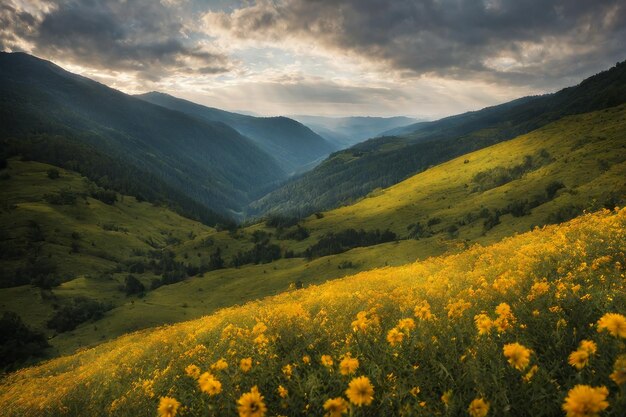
(293, 145)
(186, 155)
(353, 173)
(348, 131)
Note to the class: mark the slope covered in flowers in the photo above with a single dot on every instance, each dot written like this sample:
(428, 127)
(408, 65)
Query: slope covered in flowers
(531, 326)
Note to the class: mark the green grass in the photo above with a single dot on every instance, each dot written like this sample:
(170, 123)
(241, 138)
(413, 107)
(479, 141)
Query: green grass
(588, 155)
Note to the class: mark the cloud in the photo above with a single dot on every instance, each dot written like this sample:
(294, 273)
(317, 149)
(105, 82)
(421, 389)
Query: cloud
(378, 57)
(513, 41)
(144, 36)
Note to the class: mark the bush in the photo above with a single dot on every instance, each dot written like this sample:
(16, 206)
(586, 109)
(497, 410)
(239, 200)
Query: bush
(106, 196)
(299, 233)
(262, 253)
(40, 272)
(63, 198)
(53, 173)
(552, 188)
(18, 343)
(133, 286)
(79, 310)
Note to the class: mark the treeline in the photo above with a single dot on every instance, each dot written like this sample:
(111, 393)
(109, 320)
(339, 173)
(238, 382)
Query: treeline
(333, 243)
(109, 173)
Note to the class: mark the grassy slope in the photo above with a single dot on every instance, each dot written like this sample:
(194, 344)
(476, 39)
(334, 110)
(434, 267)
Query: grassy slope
(576, 143)
(581, 263)
(88, 272)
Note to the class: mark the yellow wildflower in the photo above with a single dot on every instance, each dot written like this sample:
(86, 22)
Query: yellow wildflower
(251, 404)
(619, 370)
(192, 371)
(306, 359)
(478, 408)
(614, 323)
(414, 391)
(168, 407)
(209, 384)
(220, 365)
(585, 401)
(394, 337)
(446, 397)
(518, 355)
(456, 309)
(282, 391)
(579, 359)
(288, 370)
(327, 361)
(261, 340)
(483, 324)
(360, 391)
(259, 328)
(530, 374)
(348, 365)
(406, 324)
(335, 407)
(538, 289)
(504, 310)
(361, 323)
(589, 346)
(422, 311)
(245, 364)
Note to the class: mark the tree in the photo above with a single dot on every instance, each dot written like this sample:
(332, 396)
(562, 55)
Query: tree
(133, 285)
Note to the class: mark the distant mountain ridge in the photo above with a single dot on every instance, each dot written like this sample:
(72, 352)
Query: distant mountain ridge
(291, 143)
(348, 131)
(208, 162)
(381, 162)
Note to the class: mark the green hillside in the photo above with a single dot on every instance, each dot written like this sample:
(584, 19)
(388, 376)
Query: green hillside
(64, 237)
(492, 325)
(209, 163)
(547, 176)
(381, 162)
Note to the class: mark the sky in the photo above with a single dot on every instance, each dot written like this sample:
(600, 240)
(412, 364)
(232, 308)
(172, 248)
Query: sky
(419, 58)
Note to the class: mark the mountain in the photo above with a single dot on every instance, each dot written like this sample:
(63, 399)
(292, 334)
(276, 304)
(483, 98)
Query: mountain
(209, 163)
(377, 163)
(347, 131)
(550, 175)
(292, 144)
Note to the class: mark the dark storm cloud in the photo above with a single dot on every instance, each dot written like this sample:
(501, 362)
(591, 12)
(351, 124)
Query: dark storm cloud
(139, 35)
(521, 41)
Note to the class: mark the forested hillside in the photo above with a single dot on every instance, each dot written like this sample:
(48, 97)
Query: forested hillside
(378, 163)
(209, 163)
(292, 144)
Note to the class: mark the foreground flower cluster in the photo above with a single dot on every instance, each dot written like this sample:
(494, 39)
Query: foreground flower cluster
(531, 326)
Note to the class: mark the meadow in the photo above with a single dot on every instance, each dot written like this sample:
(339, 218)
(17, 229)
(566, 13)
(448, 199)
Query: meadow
(444, 209)
(530, 326)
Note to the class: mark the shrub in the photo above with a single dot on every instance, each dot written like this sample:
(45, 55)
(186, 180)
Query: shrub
(552, 188)
(79, 310)
(53, 173)
(133, 286)
(18, 343)
(106, 196)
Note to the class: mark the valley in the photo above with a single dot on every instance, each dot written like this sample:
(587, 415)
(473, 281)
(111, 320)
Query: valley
(159, 253)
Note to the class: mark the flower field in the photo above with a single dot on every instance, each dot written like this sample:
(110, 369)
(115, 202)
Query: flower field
(532, 326)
